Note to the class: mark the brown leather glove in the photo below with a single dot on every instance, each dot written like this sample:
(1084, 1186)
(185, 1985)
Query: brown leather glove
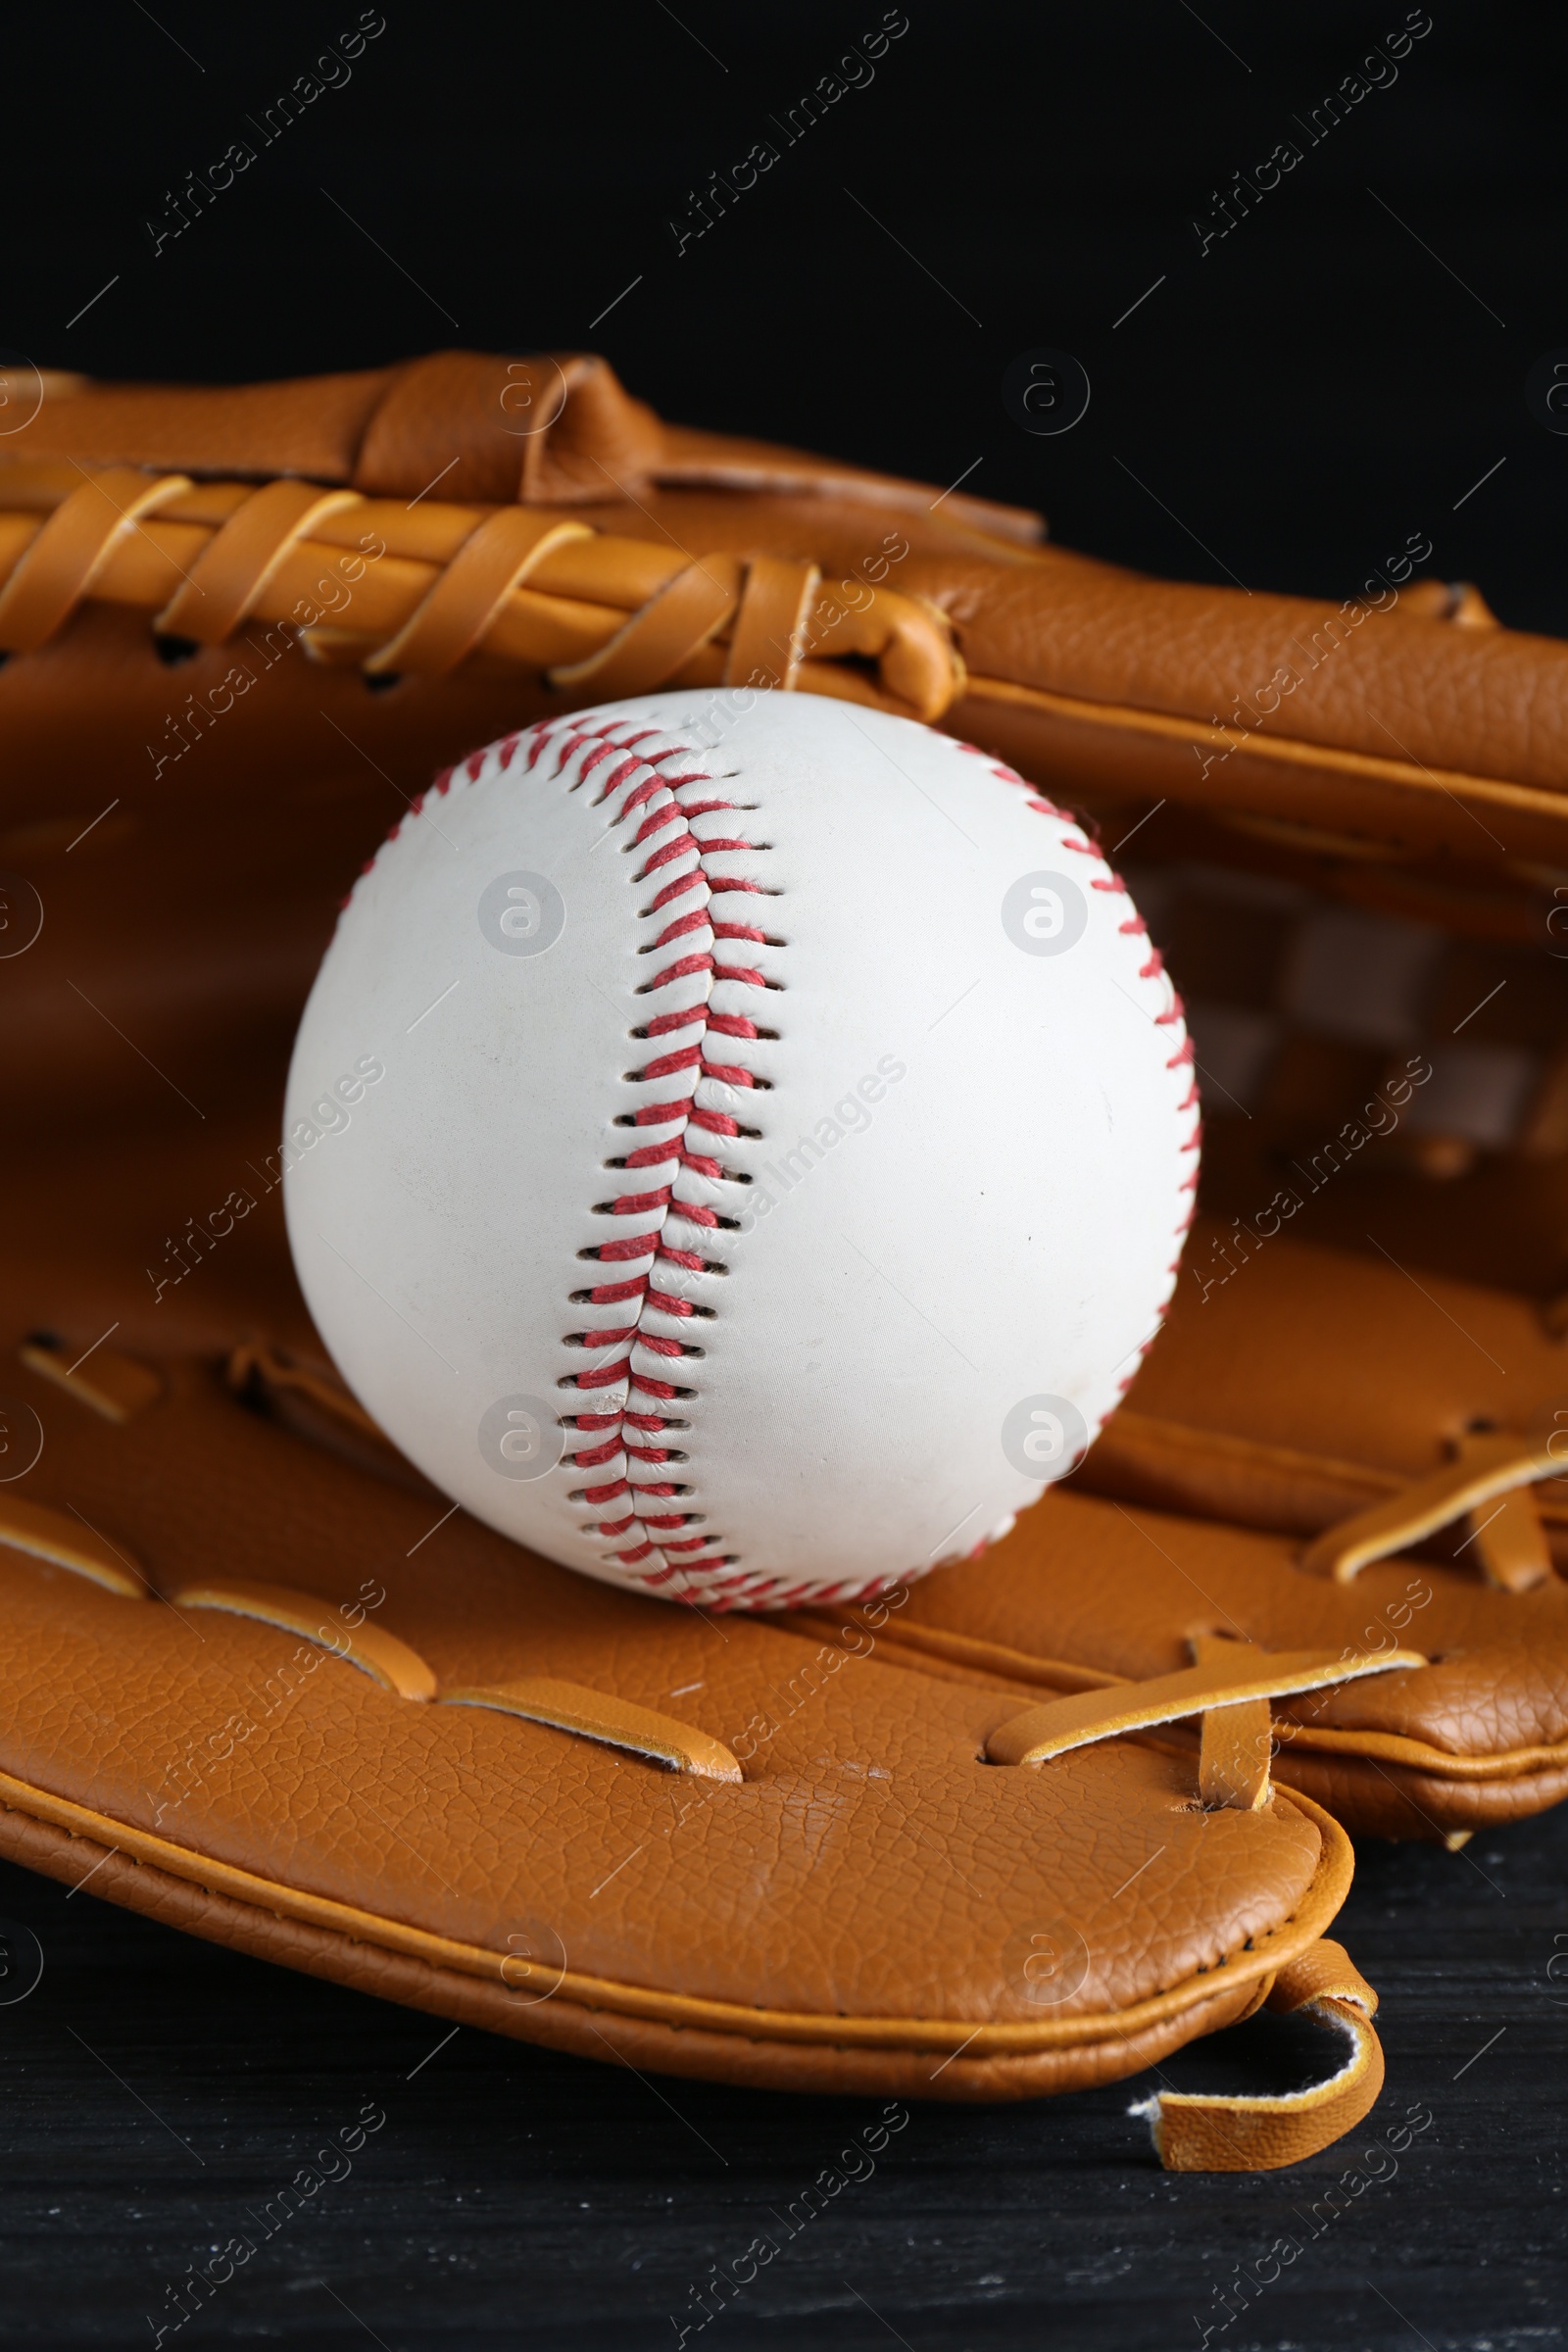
(253, 617)
(262, 1684)
(242, 624)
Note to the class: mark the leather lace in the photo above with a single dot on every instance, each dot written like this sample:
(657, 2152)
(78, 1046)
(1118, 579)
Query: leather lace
(391, 588)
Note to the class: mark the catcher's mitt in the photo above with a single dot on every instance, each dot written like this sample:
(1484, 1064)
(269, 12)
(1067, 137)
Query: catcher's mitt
(241, 623)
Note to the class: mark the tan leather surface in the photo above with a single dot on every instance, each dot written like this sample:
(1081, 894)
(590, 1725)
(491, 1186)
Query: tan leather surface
(1230, 1676)
(79, 1255)
(1481, 1490)
(369, 583)
(599, 2034)
(223, 581)
(599, 1715)
(870, 1874)
(545, 429)
(1327, 1380)
(1233, 1764)
(1381, 1370)
(311, 425)
(112, 1384)
(42, 1531)
(1407, 712)
(1409, 1803)
(1416, 693)
(68, 552)
(389, 1661)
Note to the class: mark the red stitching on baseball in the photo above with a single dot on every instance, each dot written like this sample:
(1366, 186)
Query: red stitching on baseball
(660, 825)
(716, 1577)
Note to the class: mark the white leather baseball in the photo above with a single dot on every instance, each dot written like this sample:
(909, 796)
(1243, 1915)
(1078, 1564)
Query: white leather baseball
(738, 1144)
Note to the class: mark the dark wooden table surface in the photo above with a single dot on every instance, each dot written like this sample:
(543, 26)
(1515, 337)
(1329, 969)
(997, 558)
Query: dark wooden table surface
(158, 2094)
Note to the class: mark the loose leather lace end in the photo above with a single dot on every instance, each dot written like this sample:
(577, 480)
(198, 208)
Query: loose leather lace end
(1193, 2133)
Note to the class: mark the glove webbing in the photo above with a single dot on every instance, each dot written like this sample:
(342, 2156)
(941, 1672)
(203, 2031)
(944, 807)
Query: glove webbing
(394, 588)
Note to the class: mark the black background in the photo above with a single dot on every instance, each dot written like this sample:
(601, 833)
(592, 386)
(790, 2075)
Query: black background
(1283, 411)
(1324, 382)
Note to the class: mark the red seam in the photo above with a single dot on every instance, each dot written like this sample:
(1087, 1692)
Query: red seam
(725, 1584)
(671, 1557)
(683, 970)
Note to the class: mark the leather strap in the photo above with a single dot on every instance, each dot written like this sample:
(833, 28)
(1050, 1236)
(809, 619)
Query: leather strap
(595, 1715)
(114, 1385)
(389, 586)
(377, 1653)
(1214, 744)
(1236, 1744)
(1489, 1465)
(1177, 1466)
(505, 548)
(253, 1364)
(1197, 2134)
(1512, 1545)
(1143, 1457)
(955, 2039)
(537, 1698)
(765, 647)
(227, 578)
(62, 563)
(1229, 1673)
(70, 1542)
(1509, 1537)
(658, 640)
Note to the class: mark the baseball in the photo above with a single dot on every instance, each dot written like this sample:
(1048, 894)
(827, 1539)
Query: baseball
(738, 1144)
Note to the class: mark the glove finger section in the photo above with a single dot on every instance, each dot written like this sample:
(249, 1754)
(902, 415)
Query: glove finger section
(1411, 1447)
(1353, 1427)
(318, 1722)
(1467, 1721)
